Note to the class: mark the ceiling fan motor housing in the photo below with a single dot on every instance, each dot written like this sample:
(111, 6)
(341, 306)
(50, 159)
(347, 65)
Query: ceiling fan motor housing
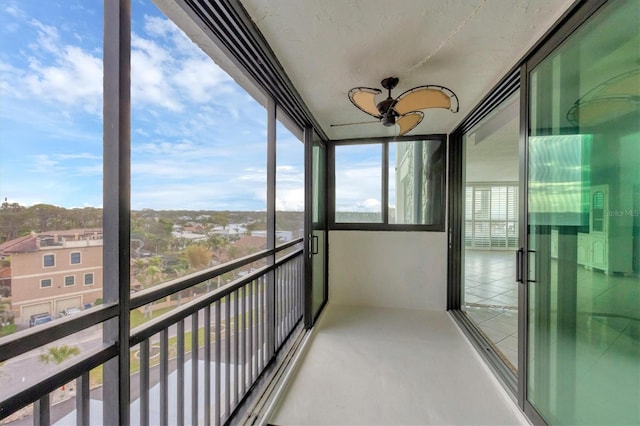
(387, 112)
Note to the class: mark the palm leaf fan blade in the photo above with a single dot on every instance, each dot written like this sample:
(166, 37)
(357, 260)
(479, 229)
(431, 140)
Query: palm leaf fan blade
(424, 97)
(364, 98)
(409, 121)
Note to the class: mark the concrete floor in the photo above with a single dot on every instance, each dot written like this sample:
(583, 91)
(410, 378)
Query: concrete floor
(368, 365)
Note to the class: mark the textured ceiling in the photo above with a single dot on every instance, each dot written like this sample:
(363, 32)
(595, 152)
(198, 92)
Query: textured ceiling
(326, 47)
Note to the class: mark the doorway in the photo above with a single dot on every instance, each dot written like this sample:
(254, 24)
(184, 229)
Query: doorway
(489, 292)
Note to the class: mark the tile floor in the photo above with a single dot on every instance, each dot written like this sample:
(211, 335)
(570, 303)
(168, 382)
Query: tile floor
(593, 372)
(367, 365)
(491, 298)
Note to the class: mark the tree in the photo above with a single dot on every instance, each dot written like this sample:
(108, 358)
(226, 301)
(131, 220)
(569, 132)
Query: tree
(197, 256)
(59, 354)
(13, 218)
(217, 244)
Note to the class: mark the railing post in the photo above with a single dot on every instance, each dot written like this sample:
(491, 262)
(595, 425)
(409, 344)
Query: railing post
(41, 409)
(82, 399)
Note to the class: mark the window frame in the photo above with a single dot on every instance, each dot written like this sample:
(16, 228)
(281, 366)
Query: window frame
(84, 279)
(441, 153)
(65, 280)
(46, 286)
(71, 262)
(44, 261)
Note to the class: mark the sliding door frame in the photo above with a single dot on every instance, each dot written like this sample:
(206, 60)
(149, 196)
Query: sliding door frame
(580, 13)
(516, 79)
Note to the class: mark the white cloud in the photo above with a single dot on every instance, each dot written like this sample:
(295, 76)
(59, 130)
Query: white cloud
(149, 84)
(80, 155)
(14, 10)
(63, 75)
(290, 200)
(201, 79)
(42, 163)
(76, 79)
(48, 37)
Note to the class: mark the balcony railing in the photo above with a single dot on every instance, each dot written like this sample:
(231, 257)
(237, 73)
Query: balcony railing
(197, 362)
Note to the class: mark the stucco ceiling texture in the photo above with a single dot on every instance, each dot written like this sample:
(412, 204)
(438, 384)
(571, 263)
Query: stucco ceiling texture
(327, 47)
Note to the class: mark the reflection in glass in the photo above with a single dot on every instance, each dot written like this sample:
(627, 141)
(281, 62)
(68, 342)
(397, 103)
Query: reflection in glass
(584, 226)
(415, 181)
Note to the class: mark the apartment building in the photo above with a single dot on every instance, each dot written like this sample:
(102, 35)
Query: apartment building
(53, 271)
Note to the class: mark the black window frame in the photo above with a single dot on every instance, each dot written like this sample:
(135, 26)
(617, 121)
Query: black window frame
(440, 155)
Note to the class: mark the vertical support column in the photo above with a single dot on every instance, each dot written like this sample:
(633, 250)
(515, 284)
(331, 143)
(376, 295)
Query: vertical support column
(385, 183)
(116, 213)
(308, 227)
(523, 236)
(418, 169)
(271, 223)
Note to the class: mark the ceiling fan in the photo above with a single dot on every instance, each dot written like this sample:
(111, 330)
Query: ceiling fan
(404, 110)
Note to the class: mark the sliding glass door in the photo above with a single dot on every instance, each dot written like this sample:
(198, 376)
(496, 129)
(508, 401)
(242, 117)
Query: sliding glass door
(583, 224)
(490, 228)
(315, 227)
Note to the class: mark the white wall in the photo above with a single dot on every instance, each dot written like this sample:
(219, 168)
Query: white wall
(388, 269)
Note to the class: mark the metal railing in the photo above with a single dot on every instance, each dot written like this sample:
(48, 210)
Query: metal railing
(196, 363)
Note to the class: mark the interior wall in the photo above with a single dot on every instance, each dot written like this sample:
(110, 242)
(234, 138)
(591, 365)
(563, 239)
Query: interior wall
(388, 269)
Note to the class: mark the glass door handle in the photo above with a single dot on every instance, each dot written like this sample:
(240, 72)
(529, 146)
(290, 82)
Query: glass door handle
(313, 245)
(519, 268)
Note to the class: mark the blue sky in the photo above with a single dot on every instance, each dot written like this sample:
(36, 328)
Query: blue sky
(198, 139)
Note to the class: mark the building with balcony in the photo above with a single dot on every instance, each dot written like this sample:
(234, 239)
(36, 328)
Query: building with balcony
(471, 249)
(54, 271)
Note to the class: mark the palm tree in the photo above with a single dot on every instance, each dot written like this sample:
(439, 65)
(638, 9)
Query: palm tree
(59, 354)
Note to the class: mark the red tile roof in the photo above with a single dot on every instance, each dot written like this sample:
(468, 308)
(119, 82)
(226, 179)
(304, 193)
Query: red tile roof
(5, 272)
(250, 241)
(28, 243)
(20, 245)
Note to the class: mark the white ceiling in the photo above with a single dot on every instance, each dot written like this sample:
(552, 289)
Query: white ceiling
(326, 47)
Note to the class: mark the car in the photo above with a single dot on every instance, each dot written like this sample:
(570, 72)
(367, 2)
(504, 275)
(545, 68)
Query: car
(71, 311)
(37, 319)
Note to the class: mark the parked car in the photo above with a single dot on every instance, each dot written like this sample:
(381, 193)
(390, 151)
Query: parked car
(71, 311)
(37, 319)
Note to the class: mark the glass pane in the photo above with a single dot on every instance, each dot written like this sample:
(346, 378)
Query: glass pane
(584, 224)
(491, 167)
(319, 260)
(289, 186)
(50, 185)
(50, 163)
(198, 163)
(318, 184)
(358, 170)
(416, 176)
